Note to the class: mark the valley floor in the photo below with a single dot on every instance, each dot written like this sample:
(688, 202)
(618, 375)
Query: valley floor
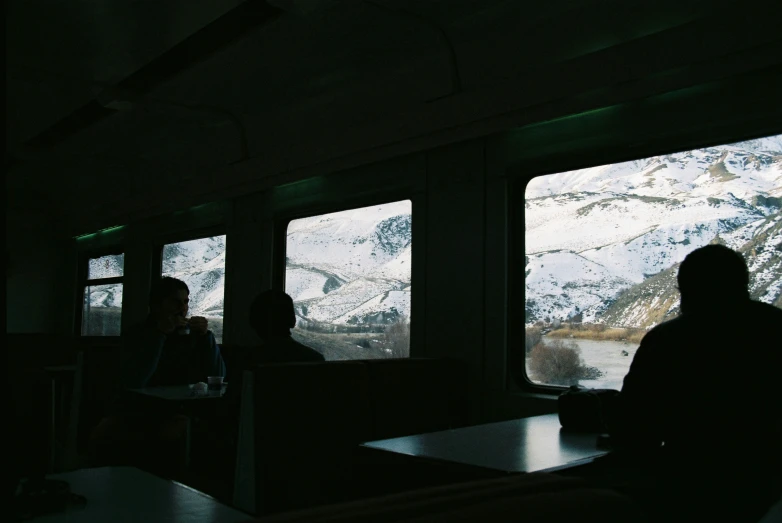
(597, 332)
(343, 346)
(612, 358)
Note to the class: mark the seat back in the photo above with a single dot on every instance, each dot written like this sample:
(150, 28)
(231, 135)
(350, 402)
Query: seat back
(30, 391)
(309, 420)
(99, 378)
(414, 396)
(69, 460)
(36, 397)
(302, 424)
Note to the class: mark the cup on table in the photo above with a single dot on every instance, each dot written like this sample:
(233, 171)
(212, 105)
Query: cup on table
(214, 383)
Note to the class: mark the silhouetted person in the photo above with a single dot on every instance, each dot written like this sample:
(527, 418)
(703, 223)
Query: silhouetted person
(166, 349)
(272, 317)
(700, 405)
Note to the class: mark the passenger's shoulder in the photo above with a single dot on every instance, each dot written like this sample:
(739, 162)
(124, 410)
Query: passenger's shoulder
(763, 310)
(307, 353)
(667, 328)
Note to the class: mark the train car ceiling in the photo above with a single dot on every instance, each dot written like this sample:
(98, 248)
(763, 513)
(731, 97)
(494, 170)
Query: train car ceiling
(220, 99)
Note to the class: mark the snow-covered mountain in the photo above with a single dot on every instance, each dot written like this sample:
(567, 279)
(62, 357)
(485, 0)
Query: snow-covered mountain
(201, 265)
(604, 241)
(344, 269)
(110, 266)
(351, 267)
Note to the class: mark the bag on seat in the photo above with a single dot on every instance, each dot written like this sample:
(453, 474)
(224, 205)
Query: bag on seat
(586, 410)
(38, 496)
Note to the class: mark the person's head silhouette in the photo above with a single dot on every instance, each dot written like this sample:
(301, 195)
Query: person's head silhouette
(712, 277)
(272, 314)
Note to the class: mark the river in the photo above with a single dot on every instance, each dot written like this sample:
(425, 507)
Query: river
(606, 356)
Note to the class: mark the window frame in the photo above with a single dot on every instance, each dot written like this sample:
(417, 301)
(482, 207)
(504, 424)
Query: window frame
(516, 236)
(83, 282)
(282, 220)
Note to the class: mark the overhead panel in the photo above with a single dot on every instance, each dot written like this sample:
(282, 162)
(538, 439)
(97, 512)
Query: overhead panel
(211, 38)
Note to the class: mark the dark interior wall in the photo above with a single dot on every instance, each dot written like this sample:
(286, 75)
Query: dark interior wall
(517, 66)
(40, 262)
(455, 259)
(448, 189)
(462, 206)
(443, 153)
(461, 194)
(459, 234)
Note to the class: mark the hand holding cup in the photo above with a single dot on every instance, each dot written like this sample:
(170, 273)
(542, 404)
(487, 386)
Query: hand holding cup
(198, 325)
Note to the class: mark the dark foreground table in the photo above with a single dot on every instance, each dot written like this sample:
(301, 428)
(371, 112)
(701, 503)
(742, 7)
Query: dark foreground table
(536, 444)
(126, 494)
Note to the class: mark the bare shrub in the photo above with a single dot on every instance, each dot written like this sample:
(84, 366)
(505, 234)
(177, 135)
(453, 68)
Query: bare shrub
(397, 339)
(559, 363)
(532, 337)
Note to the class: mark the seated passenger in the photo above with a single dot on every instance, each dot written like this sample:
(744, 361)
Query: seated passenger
(701, 405)
(168, 348)
(272, 317)
(157, 352)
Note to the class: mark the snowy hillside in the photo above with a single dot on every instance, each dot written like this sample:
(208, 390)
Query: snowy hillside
(110, 266)
(593, 234)
(201, 265)
(351, 267)
(344, 269)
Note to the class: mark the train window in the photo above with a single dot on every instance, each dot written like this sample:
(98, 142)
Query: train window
(603, 246)
(101, 313)
(349, 275)
(201, 265)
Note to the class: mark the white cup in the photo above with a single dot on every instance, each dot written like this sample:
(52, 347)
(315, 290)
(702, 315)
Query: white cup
(215, 383)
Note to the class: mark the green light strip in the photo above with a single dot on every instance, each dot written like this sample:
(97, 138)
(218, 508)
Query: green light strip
(102, 231)
(569, 117)
(196, 208)
(315, 181)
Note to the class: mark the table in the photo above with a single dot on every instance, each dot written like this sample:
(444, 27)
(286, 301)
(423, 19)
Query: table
(536, 444)
(178, 393)
(125, 494)
(184, 400)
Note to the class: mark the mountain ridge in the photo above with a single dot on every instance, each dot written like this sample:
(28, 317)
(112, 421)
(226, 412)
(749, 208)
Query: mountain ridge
(635, 222)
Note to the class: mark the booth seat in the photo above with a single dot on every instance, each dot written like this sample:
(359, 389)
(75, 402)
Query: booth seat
(301, 424)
